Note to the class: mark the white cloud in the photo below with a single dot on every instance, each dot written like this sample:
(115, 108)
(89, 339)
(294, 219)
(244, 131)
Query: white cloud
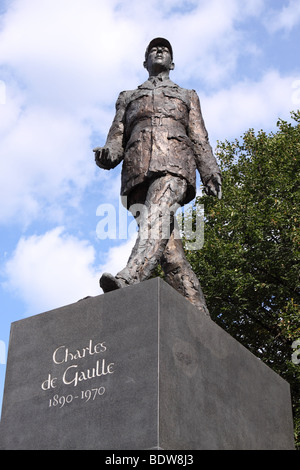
(65, 63)
(2, 352)
(72, 52)
(45, 157)
(61, 71)
(67, 52)
(286, 19)
(248, 104)
(56, 269)
(254, 7)
(51, 270)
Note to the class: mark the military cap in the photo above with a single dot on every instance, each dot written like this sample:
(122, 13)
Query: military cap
(158, 42)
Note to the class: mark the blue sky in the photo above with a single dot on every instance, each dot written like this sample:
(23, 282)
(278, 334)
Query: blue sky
(62, 65)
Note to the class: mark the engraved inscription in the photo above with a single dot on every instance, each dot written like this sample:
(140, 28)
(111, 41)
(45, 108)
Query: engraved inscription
(73, 373)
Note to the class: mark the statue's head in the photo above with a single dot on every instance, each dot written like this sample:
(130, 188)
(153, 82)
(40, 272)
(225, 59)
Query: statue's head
(159, 56)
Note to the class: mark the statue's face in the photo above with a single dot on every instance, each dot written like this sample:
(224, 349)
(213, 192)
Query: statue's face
(159, 59)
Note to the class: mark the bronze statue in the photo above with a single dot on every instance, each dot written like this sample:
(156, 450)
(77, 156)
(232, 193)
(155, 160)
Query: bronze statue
(159, 133)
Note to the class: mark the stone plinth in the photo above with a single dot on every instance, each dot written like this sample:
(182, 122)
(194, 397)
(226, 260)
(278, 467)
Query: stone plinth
(138, 368)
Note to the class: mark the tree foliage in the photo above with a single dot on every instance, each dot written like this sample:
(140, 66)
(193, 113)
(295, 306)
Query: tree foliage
(249, 264)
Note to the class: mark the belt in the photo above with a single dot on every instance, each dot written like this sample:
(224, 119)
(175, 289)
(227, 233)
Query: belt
(158, 121)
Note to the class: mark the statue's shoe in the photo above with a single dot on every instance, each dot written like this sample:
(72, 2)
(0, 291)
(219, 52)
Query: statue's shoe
(109, 283)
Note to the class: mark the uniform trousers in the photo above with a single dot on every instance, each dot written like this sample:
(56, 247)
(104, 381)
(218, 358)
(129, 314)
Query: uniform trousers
(158, 242)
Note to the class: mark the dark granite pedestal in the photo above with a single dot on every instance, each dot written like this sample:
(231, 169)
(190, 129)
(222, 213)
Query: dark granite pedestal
(138, 368)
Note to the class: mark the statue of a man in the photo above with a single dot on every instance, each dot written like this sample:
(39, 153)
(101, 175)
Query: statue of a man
(159, 134)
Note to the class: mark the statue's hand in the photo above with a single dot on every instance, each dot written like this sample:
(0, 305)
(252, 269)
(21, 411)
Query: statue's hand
(213, 186)
(102, 157)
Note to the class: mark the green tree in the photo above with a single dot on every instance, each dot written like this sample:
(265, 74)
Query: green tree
(249, 264)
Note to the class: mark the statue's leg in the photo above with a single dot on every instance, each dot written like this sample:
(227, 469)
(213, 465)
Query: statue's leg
(179, 274)
(156, 223)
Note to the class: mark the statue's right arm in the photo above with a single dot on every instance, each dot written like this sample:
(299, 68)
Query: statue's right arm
(112, 153)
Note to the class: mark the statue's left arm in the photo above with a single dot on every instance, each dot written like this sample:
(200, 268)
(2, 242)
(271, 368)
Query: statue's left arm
(206, 162)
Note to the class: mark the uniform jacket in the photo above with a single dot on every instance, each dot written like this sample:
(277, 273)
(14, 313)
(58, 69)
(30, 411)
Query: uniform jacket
(158, 129)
